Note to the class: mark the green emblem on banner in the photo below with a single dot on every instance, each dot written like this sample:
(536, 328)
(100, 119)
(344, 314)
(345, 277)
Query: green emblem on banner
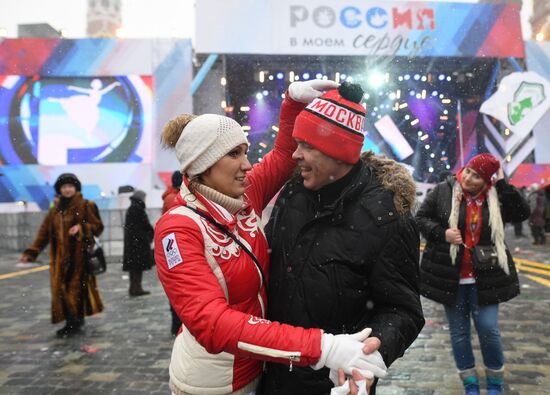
(527, 97)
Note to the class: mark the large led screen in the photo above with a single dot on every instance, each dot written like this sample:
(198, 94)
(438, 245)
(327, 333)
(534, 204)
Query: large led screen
(66, 120)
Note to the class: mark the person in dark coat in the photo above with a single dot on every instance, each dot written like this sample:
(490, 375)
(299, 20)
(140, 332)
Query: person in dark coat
(344, 245)
(69, 228)
(462, 213)
(536, 219)
(138, 235)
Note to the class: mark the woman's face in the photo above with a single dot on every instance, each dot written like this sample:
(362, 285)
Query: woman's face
(67, 190)
(472, 181)
(228, 175)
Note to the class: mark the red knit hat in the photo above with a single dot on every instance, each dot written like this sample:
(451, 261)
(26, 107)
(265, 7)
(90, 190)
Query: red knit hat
(485, 165)
(333, 123)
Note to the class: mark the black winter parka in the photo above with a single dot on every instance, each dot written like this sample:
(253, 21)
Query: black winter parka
(343, 267)
(439, 278)
(138, 235)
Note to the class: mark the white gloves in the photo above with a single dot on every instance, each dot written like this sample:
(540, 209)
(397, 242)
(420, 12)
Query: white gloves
(346, 352)
(306, 91)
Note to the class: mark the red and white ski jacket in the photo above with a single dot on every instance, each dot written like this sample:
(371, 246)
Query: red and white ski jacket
(216, 289)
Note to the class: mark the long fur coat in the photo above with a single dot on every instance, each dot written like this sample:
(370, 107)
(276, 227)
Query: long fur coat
(74, 291)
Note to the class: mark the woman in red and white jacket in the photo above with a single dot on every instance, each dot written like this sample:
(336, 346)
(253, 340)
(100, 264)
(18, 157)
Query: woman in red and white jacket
(212, 257)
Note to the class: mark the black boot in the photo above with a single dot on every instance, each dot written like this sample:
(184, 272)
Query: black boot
(73, 326)
(135, 284)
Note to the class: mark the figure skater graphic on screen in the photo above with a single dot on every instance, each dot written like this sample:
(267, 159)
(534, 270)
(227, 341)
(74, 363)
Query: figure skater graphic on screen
(83, 109)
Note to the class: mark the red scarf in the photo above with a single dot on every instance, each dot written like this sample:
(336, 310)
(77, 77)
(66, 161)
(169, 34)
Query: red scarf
(474, 215)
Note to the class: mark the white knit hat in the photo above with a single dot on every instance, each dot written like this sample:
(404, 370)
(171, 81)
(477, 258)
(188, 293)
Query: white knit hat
(205, 140)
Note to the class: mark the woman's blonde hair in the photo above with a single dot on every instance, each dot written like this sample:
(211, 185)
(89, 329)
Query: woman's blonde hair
(173, 130)
(170, 135)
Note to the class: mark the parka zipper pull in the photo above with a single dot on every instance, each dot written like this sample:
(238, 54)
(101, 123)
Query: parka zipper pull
(291, 358)
(318, 208)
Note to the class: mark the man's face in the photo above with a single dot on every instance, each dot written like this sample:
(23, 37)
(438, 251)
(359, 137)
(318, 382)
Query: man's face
(316, 168)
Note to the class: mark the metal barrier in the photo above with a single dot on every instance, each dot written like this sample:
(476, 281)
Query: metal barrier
(18, 230)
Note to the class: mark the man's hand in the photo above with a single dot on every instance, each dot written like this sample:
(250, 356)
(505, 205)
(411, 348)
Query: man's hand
(358, 384)
(353, 386)
(453, 236)
(306, 91)
(24, 259)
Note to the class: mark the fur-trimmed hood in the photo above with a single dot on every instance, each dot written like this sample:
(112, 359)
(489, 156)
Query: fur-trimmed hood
(394, 178)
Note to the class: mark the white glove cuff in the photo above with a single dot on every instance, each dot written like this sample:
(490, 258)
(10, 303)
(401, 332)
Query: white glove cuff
(327, 340)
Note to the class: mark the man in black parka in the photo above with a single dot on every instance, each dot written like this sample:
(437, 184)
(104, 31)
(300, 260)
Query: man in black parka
(345, 248)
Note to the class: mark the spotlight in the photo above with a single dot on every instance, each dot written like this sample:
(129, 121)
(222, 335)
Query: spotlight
(407, 77)
(270, 77)
(423, 78)
(431, 169)
(416, 77)
(305, 76)
(342, 77)
(400, 78)
(366, 96)
(280, 76)
(441, 77)
(265, 92)
(435, 93)
(376, 79)
(448, 78)
(412, 93)
(319, 76)
(259, 96)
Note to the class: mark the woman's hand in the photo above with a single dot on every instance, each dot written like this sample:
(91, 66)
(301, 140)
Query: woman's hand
(73, 230)
(306, 91)
(453, 236)
(500, 174)
(357, 384)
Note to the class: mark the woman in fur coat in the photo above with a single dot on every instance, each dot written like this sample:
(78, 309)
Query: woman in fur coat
(69, 228)
(458, 215)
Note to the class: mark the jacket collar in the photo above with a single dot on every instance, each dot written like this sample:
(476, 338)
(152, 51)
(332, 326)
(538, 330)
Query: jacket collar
(351, 186)
(200, 202)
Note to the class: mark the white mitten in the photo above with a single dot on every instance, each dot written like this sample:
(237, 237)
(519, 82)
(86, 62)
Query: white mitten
(346, 352)
(306, 91)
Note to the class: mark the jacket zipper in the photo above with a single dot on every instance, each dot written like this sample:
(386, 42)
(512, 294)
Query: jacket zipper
(293, 356)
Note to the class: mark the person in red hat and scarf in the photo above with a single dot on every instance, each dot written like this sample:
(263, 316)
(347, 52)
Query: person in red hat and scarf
(458, 216)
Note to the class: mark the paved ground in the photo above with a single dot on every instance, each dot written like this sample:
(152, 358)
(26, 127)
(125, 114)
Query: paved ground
(126, 349)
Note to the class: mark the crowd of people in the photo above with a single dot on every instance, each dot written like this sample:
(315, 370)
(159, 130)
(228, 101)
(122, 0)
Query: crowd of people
(327, 296)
